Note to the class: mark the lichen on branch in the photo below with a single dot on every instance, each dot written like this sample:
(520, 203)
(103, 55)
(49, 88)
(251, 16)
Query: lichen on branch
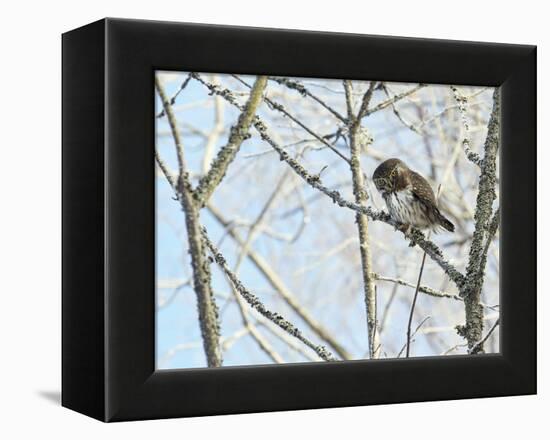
(485, 227)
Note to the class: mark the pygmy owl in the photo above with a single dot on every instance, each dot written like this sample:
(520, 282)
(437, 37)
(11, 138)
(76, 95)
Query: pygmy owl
(408, 196)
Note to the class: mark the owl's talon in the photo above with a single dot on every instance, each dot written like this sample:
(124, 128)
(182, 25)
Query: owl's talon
(405, 229)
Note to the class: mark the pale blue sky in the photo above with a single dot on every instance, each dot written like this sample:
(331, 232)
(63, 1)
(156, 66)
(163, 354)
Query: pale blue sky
(329, 286)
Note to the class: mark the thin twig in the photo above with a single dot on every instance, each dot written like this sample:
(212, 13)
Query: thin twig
(173, 127)
(424, 289)
(172, 180)
(363, 110)
(214, 134)
(475, 349)
(386, 311)
(412, 336)
(302, 90)
(256, 224)
(416, 290)
(280, 108)
(262, 342)
(172, 100)
(411, 313)
(398, 115)
(427, 290)
(291, 342)
(462, 102)
(395, 99)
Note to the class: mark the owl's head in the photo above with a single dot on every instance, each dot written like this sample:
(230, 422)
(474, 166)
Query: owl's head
(389, 175)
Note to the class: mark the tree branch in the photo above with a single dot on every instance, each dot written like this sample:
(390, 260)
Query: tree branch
(215, 133)
(491, 232)
(262, 342)
(395, 99)
(207, 308)
(356, 145)
(476, 348)
(462, 102)
(238, 134)
(475, 270)
(411, 313)
(366, 101)
(280, 108)
(275, 281)
(173, 127)
(302, 90)
(257, 305)
(424, 289)
(172, 100)
(172, 180)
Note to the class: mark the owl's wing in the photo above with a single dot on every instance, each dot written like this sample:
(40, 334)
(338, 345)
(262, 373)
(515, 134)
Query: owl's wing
(422, 190)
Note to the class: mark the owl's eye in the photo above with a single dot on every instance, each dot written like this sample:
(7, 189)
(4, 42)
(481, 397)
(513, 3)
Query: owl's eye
(380, 183)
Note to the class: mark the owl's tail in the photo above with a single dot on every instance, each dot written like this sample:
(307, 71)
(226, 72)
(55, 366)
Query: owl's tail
(444, 222)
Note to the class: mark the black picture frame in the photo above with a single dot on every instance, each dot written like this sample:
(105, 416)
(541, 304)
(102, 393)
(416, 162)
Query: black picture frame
(109, 216)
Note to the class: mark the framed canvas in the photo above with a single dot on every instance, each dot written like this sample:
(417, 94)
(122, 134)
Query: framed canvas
(261, 220)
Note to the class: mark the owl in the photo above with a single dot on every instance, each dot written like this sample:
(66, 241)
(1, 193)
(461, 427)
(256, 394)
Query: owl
(409, 197)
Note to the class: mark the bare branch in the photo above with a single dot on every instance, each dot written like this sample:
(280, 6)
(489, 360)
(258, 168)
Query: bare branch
(262, 342)
(410, 126)
(172, 180)
(291, 342)
(264, 345)
(412, 336)
(424, 289)
(173, 127)
(172, 100)
(393, 100)
(207, 308)
(277, 283)
(427, 290)
(356, 145)
(280, 108)
(479, 346)
(386, 311)
(475, 270)
(407, 353)
(239, 133)
(302, 90)
(366, 101)
(214, 134)
(462, 102)
(257, 305)
(491, 232)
